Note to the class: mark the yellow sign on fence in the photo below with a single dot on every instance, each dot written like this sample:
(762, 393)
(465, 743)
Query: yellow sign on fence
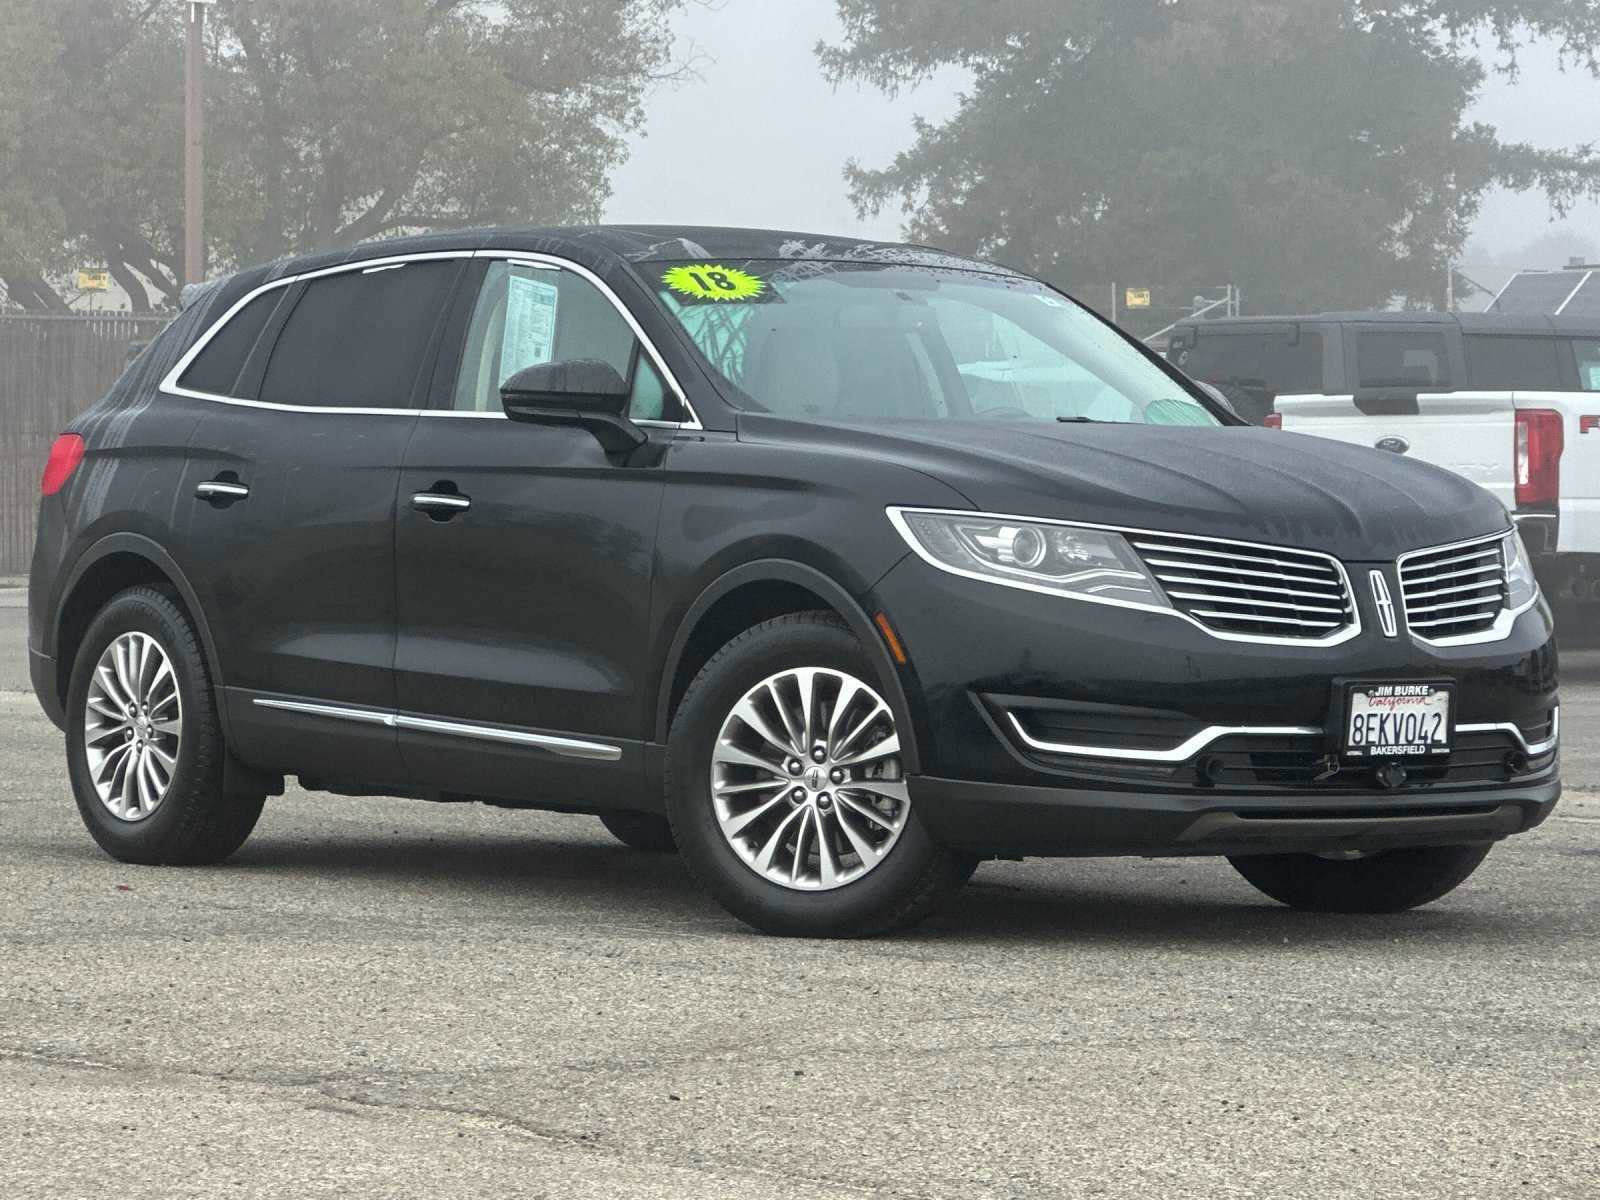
(94, 281)
(1137, 298)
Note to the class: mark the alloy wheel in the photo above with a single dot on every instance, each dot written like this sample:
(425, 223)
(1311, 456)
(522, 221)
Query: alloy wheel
(132, 726)
(807, 780)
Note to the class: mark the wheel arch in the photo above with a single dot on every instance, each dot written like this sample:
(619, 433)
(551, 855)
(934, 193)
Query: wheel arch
(111, 565)
(757, 591)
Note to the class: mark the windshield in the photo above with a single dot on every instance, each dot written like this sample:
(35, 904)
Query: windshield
(854, 341)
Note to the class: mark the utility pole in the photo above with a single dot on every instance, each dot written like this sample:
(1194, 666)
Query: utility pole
(194, 199)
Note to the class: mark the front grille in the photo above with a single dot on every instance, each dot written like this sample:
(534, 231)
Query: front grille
(1250, 591)
(1454, 591)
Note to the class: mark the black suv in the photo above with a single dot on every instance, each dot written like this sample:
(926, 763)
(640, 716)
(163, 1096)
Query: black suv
(837, 566)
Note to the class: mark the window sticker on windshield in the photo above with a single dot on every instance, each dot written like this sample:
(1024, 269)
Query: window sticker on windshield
(707, 281)
(1591, 373)
(530, 335)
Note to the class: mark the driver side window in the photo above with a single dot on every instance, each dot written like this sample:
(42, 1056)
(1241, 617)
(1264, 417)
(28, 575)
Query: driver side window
(527, 315)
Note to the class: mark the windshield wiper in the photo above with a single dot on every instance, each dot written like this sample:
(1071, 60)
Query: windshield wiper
(1080, 421)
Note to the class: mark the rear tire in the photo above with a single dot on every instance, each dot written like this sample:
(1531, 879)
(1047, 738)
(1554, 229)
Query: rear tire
(1390, 882)
(646, 832)
(881, 871)
(180, 814)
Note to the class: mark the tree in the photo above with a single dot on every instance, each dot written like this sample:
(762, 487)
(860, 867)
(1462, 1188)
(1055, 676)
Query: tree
(327, 124)
(1315, 152)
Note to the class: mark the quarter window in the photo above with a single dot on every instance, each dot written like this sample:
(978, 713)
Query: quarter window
(1506, 364)
(1253, 367)
(216, 369)
(357, 339)
(527, 315)
(1403, 360)
(1588, 365)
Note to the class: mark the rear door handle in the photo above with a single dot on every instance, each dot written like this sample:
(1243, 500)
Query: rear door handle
(440, 505)
(221, 490)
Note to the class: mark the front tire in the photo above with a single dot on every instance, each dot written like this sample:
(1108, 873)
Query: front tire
(645, 832)
(1390, 882)
(786, 793)
(145, 751)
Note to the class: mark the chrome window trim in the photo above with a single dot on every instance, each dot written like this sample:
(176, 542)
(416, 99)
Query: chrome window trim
(566, 747)
(1177, 754)
(1532, 749)
(896, 517)
(169, 384)
(1504, 622)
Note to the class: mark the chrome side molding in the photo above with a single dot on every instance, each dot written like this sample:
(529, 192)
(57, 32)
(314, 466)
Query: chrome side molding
(566, 747)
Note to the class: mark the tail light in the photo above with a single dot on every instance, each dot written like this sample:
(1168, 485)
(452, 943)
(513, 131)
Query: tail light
(1273, 420)
(65, 455)
(1538, 456)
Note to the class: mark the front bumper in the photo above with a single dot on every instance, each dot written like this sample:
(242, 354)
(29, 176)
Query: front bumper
(1084, 674)
(1015, 820)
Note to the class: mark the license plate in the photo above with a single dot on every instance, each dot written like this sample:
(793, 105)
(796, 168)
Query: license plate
(1397, 720)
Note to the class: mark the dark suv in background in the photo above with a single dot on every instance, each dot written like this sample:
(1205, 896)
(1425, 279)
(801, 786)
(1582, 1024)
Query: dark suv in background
(838, 566)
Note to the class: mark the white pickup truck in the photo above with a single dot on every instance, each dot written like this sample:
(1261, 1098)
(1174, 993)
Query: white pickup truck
(1511, 402)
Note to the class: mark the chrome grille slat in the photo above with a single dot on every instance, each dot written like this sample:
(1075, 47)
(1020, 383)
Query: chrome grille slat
(1209, 568)
(1253, 617)
(1481, 585)
(1232, 556)
(1483, 570)
(1253, 592)
(1455, 590)
(1425, 562)
(1212, 598)
(1183, 581)
(1471, 602)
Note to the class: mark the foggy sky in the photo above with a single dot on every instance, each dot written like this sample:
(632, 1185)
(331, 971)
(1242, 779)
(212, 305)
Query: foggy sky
(761, 138)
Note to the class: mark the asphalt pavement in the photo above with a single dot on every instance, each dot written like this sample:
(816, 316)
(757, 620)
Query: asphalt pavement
(386, 998)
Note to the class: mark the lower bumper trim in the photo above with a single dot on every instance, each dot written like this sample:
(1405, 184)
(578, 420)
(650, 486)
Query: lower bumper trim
(1019, 820)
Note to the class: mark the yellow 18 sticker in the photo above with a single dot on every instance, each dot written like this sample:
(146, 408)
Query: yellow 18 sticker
(710, 282)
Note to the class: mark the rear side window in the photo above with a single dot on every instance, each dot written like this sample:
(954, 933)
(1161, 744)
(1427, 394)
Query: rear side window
(1281, 362)
(216, 369)
(1588, 352)
(1497, 363)
(357, 339)
(1402, 359)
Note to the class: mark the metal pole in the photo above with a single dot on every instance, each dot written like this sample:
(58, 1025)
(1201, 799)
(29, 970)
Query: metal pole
(194, 242)
(1449, 286)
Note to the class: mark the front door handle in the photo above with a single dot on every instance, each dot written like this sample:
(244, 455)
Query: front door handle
(221, 491)
(441, 506)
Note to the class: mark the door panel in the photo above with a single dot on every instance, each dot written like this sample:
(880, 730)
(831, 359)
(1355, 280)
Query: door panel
(297, 576)
(528, 610)
(289, 495)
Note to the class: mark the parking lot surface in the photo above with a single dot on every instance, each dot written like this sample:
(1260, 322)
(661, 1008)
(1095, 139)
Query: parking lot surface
(384, 997)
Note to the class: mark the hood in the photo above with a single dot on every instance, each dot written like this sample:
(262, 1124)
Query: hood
(1255, 484)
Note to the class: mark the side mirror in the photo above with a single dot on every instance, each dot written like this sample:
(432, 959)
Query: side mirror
(584, 393)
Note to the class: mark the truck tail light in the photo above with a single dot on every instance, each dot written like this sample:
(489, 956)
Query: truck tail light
(1538, 456)
(65, 455)
(1273, 420)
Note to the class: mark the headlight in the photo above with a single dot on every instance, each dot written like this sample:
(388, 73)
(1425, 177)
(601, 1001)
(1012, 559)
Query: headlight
(1521, 587)
(1087, 564)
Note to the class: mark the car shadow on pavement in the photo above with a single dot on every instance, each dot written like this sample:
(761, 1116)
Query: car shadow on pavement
(520, 872)
(1101, 914)
(512, 878)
